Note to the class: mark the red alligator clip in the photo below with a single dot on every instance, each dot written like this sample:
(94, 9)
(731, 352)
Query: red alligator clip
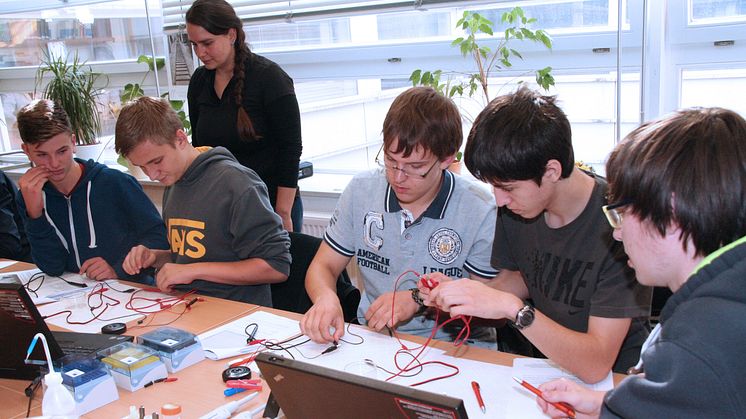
(429, 283)
(245, 384)
(243, 361)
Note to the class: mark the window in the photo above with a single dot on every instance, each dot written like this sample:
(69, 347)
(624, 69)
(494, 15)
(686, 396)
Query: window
(697, 87)
(350, 59)
(716, 11)
(109, 36)
(108, 31)
(384, 48)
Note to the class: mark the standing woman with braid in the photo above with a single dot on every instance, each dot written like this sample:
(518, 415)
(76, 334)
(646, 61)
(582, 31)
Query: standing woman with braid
(245, 103)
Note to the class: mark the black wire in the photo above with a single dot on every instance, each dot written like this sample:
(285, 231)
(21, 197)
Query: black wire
(75, 284)
(127, 291)
(402, 374)
(353, 334)
(278, 347)
(30, 390)
(39, 276)
(331, 348)
(252, 335)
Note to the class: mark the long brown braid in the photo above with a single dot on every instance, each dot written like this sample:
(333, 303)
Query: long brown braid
(218, 17)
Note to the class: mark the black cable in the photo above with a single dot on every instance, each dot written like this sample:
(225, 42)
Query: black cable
(252, 335)
(362, 340)
(30, 390)
(75, 284)
(402, 374)
(127, 291)
(39, 276)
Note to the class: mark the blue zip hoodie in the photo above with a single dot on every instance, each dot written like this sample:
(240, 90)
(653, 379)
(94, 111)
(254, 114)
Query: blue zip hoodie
(106, 214)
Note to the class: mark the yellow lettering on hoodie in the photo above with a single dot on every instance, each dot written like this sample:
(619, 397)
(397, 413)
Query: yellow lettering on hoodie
(197, 249)
(185, 237)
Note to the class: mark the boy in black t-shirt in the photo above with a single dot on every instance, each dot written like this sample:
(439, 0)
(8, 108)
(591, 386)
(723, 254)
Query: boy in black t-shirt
(552, 244)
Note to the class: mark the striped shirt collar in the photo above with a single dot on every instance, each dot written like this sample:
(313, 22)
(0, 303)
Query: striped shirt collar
(437, 208)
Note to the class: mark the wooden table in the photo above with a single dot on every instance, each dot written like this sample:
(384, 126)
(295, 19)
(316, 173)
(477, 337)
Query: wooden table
(199, 388)
(194, 399)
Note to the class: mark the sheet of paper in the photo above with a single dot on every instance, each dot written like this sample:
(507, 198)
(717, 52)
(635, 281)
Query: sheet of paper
(494, 382)
(230, 339)
(358, 345)
(115, 301)
(536, 372)
(502, 396)
(46, 288)
(6, 263)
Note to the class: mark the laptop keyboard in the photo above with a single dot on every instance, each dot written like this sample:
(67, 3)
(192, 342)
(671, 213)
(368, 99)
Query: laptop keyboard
(69, 348)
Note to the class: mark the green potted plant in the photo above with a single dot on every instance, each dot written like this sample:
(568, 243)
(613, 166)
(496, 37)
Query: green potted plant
(487, 61)
(134, 90)
(73, 85)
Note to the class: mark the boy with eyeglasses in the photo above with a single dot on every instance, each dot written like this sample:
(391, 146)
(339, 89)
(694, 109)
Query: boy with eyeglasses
(563, 281)
(80, 216)
(411, 214)
(678, 185)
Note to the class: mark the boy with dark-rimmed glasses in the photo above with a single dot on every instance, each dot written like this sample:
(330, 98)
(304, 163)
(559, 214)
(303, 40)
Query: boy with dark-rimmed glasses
(411, 214)
(563, 281)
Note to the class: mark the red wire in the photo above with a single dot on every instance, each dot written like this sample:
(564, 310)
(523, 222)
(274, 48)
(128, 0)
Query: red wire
(163, 304)
(462, 336)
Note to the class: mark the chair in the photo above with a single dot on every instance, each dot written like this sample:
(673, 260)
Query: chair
(291, 295)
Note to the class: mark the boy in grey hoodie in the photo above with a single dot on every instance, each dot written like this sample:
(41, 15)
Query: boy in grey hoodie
(226, 241)
(678, 187)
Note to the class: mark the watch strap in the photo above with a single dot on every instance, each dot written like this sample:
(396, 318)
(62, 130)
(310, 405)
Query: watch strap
(416, 297)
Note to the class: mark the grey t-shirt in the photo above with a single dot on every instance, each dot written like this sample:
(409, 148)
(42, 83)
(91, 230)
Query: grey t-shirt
(453, 236)
(575, 271)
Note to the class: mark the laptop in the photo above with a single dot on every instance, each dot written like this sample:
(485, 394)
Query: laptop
(20, 320)
(304, 390)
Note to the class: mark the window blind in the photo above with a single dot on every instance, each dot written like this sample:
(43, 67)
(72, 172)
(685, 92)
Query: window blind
(277, 11)
(18, 6)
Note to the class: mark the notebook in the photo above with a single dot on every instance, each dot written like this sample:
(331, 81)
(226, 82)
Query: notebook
(305, 390)
(20, 321)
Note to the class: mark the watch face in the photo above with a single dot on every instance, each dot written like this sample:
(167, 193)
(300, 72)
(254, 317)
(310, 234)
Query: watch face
(525, 317)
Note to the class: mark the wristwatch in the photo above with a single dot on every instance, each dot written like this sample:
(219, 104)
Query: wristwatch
(524, 317)
(416, 297)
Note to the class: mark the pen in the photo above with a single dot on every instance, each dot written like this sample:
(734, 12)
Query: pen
(478, 393)
(561, 406)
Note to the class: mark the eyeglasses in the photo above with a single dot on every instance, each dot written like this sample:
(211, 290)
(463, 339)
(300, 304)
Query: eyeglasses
(613, 213)
(405, 171)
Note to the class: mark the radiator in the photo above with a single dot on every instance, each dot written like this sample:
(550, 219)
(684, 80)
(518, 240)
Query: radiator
(315, 225)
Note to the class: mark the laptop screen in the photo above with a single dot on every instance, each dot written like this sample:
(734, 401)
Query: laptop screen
(305, 390)
(20, 320)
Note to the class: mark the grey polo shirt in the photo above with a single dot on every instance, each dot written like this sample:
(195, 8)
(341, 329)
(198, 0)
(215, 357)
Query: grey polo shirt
(453, 236)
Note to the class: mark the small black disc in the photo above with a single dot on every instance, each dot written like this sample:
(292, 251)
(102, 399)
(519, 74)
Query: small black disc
(236, 373)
